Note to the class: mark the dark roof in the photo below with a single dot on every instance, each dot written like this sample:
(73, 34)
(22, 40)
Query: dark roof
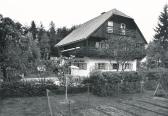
(86, 29)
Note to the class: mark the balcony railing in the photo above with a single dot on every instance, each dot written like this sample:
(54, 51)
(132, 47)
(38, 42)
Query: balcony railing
(103, 53)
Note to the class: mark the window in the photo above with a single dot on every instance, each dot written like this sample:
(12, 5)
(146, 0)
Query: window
(81, 64)
(102, 44)
(115, 66)
(128, 66)
(110, 27)
(110, 23)
(123, 27)
(101, 66)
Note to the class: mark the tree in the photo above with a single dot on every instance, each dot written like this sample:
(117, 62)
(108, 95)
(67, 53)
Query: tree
(33, 29)
(161, 37)
(161, 30)
(124, 49)
(9, 34)
(53, 39)
(14, 53)
(41, 30)
(154, 55)
(44, 46)
(62, 32)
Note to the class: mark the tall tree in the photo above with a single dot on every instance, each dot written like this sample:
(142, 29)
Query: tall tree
(8, 34)
(53, 39)
(41, 30)
(33, 29)
(13, 57)
(161, 30)
(44, 46)
(161, 37)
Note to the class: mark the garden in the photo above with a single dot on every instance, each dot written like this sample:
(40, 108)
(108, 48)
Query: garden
(104, 93)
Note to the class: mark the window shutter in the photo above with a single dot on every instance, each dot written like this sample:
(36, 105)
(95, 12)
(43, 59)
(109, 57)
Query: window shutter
(110, 66)
(106, 66)
(85, 66)
(96, 66)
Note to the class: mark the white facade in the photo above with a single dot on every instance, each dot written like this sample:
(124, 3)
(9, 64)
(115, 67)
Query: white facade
(86, 65)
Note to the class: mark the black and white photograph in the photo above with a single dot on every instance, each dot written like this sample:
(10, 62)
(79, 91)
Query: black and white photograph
(83, 57)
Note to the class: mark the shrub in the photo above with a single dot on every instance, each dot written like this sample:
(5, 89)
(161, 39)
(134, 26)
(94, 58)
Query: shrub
(35, 88)
(153, 77)
(22, 89)
(131, 76)
(111, 83)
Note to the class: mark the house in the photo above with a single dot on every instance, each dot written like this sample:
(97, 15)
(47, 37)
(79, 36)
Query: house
(87, 40)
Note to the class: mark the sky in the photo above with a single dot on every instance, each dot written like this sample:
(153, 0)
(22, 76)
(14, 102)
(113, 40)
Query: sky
(74, 12)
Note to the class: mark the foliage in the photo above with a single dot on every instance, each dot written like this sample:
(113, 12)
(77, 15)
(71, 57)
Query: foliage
(154, 76)
(35, 88)
(158, 48)
(17, 51)
(161, 30)
(111, 83)
(154, 54)
(22, 89)
(44, 46)
(33, 29)
(124, 49)
(53, 39)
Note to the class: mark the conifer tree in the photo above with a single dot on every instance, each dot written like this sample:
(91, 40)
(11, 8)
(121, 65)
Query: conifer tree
(33, 29)
(53, 39)
(161, 36)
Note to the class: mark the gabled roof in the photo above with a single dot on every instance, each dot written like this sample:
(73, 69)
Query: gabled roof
(86, 29)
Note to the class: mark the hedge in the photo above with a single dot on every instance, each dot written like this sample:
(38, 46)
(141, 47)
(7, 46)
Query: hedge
(153, 77)
(112, 83)
(30, 89)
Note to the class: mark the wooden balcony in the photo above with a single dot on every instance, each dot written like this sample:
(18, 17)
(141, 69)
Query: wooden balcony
(102, 53)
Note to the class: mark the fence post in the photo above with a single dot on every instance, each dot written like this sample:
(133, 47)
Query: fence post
(49, 105)
(69, 106)
(142, 86)
(118, 89)
(88, 93)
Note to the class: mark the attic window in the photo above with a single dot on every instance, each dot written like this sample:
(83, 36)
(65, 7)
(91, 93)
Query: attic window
(123, 28)
(110, 27)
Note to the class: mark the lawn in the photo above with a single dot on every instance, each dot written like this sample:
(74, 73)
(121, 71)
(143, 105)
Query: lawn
(84, 105)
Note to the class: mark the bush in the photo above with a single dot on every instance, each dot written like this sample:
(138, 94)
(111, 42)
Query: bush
(35, 88)
(153, 77)
(131, 76)
(111, 83)
(22, 89)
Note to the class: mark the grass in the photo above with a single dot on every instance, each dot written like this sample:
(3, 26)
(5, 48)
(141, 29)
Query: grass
(84, 105)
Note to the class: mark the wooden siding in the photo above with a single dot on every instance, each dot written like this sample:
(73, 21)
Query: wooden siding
(131, 29)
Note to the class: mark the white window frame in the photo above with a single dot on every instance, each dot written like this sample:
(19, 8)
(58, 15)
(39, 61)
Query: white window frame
(102, 66)
(123, 28)
(80, 64)
(128, 66)
(109, 28)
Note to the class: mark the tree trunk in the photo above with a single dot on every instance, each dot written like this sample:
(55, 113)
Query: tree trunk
(4, 72)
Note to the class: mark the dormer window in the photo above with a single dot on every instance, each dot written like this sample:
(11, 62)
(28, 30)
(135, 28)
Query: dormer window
(123, 28)
(110, 27)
